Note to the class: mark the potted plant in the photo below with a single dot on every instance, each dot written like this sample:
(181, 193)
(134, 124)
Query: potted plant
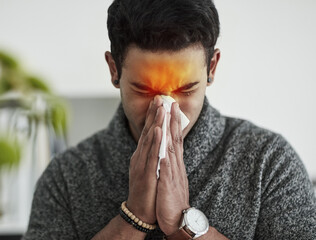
(26, 105)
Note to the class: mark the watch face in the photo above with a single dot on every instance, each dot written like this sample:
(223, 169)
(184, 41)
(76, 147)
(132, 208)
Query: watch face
(196, 221)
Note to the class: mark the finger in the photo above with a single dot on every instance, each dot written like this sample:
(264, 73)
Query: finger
(176, 132)
(153, 156)
(170, 151)
(133, 160)
(147, 141)
(165, 170)
(145, 130)
(150, 112)
(150, 116)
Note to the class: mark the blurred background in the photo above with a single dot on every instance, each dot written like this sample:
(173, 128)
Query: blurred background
(57, 88)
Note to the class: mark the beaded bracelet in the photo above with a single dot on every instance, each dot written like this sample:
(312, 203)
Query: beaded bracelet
(129, 217)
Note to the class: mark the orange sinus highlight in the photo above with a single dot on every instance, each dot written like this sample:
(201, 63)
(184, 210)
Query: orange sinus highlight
(166, 75)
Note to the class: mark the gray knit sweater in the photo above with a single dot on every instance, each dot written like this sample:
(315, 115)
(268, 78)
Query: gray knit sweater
(248, 181)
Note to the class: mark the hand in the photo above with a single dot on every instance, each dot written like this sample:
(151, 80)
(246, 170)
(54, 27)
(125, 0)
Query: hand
(142, 172)
(173, 188)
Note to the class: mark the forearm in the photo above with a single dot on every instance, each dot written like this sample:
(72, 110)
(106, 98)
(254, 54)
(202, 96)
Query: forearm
(212, 234)
(119, 229)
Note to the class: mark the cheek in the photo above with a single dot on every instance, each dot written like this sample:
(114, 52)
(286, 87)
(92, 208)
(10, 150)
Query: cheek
(188, 107)
(191, 107)
(135, 109)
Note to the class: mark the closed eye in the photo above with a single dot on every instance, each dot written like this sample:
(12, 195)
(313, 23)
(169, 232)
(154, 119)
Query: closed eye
(187, 93)
(152, 94)
(145, 91)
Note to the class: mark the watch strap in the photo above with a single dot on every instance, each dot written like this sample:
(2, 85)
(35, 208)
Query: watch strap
(181, 234)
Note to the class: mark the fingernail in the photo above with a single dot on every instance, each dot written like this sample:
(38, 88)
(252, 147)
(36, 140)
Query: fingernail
(155, 99)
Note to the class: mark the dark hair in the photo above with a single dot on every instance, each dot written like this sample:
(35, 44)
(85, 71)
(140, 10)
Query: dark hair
(161, 25)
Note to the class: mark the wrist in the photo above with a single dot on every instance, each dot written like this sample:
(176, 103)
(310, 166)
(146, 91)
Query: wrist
(212, 234)
(194, 224)
(136, 222)
(126, 230)
(119, 229)
(169, 229)
(140, 211)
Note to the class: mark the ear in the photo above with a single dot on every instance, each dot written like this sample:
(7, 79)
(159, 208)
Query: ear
(213, 65)
(113, 70)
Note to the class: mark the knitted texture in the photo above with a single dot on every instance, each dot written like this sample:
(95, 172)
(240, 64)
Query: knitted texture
(248, 181)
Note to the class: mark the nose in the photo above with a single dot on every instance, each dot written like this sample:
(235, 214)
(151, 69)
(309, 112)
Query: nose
(171, 94)
(166, 93)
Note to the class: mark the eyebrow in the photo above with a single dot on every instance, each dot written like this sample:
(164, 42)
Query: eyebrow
(144, 87)
(187, 86)
(141, 86)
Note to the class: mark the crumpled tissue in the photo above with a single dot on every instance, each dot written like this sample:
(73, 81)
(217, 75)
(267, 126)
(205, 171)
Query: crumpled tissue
(167, 103)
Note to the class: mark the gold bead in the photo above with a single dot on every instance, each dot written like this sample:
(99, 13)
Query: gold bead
(144, 225)
(136, 220)
(133, 217)
(129, 214)
(140, 223)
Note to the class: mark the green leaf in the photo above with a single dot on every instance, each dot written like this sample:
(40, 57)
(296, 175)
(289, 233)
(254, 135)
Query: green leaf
(37, 84)
(7, 61)
(10, 153)
(59, 115)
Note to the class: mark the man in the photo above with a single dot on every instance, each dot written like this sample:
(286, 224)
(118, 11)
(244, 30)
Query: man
(247, 182)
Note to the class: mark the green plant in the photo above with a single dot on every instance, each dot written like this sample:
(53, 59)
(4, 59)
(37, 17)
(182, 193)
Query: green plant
(14, 79)
(10, 153)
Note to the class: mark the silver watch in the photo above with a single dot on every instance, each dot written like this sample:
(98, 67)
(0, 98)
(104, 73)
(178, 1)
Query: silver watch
(194, 222)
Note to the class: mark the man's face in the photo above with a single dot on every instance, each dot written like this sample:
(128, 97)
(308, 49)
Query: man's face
(181, 75)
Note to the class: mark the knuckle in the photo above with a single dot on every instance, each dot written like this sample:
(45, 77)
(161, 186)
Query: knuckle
(168, 164)
(165, 162)
(145, 131)
(155, 141)
(178, 139)
(171, 149)
(151, 155)
(134, 155)
(133, 159)
(146, 141)
(156, 120)
(152, 109)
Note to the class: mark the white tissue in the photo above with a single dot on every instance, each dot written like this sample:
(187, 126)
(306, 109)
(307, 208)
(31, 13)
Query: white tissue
(167, 103)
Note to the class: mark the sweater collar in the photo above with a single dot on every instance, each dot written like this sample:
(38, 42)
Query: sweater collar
(199, 142)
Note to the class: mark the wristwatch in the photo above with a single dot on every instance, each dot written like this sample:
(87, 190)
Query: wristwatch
(194, 225)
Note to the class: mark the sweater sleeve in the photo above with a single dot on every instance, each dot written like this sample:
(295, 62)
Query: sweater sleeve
(288, 205)
(50, 215)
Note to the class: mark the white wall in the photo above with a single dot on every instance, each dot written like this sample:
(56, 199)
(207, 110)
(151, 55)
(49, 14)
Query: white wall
(266, 73)
(267, 70)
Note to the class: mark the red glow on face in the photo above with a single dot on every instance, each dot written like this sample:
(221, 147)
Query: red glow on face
(165, 75)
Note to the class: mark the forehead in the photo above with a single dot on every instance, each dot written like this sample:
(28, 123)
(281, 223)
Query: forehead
(164, 70)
